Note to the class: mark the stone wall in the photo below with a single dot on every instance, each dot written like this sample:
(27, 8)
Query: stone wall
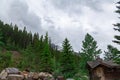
(15, 74)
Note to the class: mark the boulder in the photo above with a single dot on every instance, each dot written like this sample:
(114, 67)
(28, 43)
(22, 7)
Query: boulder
(35, 76)
(12, 71)
(3, 75)
(25, 74)
(15, 77)
(60, 78)
(31, 74)
(45, 76)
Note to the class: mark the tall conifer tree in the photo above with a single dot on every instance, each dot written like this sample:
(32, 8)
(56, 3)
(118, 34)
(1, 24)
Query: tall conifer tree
(89, 50)
(67, 60)
(1, 43)
(45, 57)
(117, 28)
(112, 54)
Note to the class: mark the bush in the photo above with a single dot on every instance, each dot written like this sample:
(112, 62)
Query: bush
(5, 60)
(81, 75)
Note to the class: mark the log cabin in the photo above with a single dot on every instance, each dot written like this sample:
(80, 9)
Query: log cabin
(103, 70)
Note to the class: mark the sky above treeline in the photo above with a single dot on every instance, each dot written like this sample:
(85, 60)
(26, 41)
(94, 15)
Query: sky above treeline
(64, 18)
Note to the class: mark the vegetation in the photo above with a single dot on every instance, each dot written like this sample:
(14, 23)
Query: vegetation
(38, 53)
(89, 52)
(67, 60)
(112, 54)
(1, 43)
(5, 60)
(117, 37)
(117, 26)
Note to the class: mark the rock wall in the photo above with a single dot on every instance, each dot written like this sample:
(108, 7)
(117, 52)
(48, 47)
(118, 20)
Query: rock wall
(15, 74)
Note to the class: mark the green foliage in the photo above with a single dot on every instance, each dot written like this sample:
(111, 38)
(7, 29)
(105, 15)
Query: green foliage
(14, 36)
(56, 69)
(27, 60)
(36, 41)
(117, 37)
(117, 26)
(5, 60)
(67, 61)
(81, 76)
(89, 51)
(45, 57)
(1, 42)
(112, 53)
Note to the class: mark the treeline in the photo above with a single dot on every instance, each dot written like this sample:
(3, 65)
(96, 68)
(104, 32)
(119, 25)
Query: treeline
(38, 53)
(16, 37)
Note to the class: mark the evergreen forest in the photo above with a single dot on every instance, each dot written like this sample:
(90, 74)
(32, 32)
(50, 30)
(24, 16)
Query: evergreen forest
(36, 52)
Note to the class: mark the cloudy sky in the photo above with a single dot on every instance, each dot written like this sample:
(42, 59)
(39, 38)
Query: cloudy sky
(64, 18)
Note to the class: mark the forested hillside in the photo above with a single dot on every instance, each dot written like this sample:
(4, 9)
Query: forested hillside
(24, 50)
(35, 52)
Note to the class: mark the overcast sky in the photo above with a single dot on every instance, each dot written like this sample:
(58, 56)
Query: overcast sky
(64, 18)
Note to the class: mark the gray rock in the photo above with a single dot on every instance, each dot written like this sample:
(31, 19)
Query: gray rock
(3, 75)
(15, 77)
(12, 71)
(35, 76)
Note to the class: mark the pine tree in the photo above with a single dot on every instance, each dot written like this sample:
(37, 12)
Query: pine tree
(89, 51)
(117, 26)
(89, 47)
(16, 37)
(24, 38)
(112, 54)
(1, 42)
(67, 60)
(46, 64)
(35, 42)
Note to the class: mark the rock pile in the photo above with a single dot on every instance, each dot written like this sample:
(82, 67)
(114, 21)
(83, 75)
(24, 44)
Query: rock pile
(15, 74)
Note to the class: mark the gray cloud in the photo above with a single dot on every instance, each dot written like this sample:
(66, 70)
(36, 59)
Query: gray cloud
(18, 13)
(54, 32)
(75, 6)
(64, 18)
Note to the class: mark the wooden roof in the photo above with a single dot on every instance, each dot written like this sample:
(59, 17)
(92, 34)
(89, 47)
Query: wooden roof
(99, 61)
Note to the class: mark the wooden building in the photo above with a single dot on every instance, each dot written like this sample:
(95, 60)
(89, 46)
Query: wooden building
(103, 70)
